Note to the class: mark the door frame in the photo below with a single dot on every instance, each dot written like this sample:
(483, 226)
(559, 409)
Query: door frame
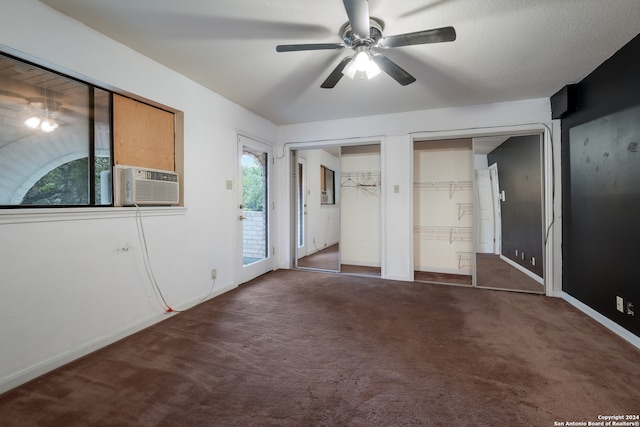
(497, 209)
(485, 199)
(244, 273)
(301, 250)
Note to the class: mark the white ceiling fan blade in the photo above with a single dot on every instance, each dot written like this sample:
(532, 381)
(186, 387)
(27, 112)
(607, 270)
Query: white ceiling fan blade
(358, 13)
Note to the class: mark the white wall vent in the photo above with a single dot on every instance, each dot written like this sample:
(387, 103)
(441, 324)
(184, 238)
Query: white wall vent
(145, 186)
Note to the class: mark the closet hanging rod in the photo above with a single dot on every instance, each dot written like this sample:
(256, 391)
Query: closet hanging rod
(360, 179)
(444, 184)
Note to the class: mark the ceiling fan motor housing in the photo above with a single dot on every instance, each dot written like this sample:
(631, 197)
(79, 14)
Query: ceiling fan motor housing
(352, 41)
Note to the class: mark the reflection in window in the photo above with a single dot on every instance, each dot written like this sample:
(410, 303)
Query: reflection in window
(327, 186)
(65, 185)
(55, 138)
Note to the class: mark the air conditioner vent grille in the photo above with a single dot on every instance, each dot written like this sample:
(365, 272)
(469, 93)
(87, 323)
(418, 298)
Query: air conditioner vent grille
(138, 186)
(153, 191)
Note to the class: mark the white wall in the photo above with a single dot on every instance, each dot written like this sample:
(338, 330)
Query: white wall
(480, 161)
(74, 280)
(397, 132)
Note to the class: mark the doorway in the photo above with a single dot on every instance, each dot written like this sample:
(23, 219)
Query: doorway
(301, 207)
(254, 216)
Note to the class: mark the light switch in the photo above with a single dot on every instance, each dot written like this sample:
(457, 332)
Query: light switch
(396, 188)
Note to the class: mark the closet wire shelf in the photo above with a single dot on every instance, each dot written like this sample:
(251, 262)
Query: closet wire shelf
(452, 234)
(464, 209)
(452, 186)
(465, 260)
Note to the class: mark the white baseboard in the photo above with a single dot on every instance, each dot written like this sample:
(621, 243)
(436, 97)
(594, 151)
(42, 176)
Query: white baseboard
(396, 277)
(199, 300)
(465, 271)
(33, 372)
(359, 263)
(603, 320)
(520, 268)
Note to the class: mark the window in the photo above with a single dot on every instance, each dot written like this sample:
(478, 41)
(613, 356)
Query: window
(254, 176)
(327, 186)
(55, 139)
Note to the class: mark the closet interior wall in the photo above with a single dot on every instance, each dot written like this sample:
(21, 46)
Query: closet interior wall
(443, 209)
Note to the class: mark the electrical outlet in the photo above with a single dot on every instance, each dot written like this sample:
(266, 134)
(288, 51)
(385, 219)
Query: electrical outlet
(516, 252)
(522, 255)
(214, 273)
(533, 260)
(620, 304)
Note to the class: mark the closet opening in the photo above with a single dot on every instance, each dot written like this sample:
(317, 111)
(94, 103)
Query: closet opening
(443, 211)
(336, 191)
(481, 211)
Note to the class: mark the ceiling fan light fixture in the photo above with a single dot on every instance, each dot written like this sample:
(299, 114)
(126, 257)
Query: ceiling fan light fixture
(361, 59)
(48, 125)
(372, 69)
(350, 70)
(33, 122)
(39, 117)
(362, 63)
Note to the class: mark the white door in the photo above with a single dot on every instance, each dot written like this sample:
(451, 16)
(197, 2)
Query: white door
(497, 215)
(301, 209)
(254, 209)
(485, 222)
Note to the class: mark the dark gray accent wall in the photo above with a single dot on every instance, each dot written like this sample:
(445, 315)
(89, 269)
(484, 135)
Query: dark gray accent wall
(519, 161)
(601, 189)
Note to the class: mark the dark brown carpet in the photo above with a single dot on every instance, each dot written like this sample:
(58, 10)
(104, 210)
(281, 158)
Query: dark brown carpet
(360, 269)
(329, 259)
(451, 279)
(325, 259)
(492, 272)
(295, 348)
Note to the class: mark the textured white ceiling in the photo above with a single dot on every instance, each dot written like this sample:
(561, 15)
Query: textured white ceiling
(505, 49)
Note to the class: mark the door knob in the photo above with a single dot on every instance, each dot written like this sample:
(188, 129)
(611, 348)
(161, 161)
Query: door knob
(242, 217)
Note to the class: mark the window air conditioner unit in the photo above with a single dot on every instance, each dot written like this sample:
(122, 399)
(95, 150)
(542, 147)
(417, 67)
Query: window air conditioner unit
(145, 186)
(324, 198)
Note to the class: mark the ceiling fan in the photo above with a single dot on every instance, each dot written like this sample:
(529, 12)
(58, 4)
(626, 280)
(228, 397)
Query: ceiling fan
(362, 34)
